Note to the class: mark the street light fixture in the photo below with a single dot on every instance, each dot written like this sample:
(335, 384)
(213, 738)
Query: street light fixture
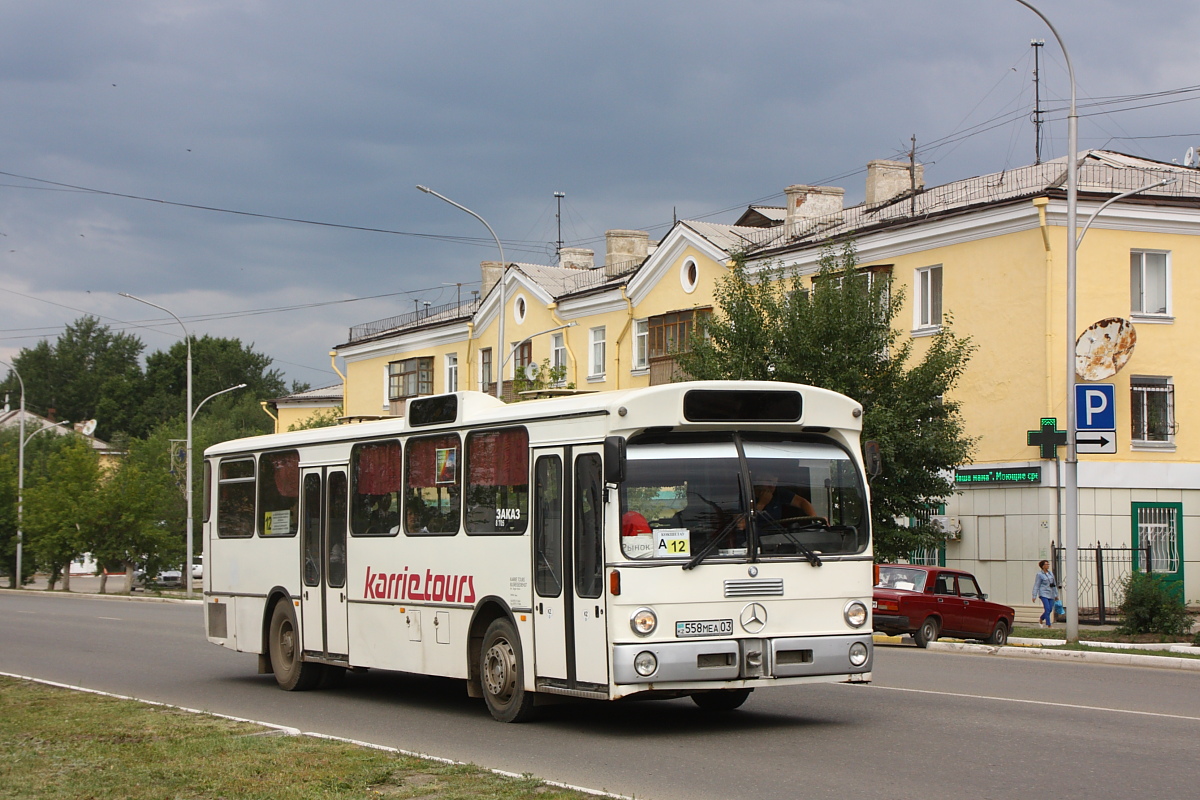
(188, 493)
(20, 470)
(214, 394)
(500, 325)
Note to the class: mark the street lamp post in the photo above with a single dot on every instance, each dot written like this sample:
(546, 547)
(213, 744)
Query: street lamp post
(500, 324)
(187, 570)
(1071, 476)
(20, 470)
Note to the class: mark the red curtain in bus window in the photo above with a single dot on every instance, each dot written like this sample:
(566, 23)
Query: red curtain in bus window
(428, 459)
(378, 469)
(286, 467)
(499, 458)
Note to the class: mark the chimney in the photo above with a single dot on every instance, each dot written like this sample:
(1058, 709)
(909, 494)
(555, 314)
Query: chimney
(576, 258)
(811, 202)
(492, 270)
(624, 250)
(889, 179)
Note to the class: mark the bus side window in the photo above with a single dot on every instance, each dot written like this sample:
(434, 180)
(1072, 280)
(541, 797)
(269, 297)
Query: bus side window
(498, 481)
(375, 488)
(235, 499)
(279, 493)
(433, 487)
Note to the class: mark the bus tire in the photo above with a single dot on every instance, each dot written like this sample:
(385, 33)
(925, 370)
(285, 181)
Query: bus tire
(721, 699)
(292, 672)
(501, 673)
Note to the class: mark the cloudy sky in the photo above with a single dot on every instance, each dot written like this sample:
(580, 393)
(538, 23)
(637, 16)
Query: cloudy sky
(250, 164)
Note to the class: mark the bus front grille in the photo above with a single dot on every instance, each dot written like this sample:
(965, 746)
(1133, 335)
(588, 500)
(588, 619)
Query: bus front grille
(761, 587)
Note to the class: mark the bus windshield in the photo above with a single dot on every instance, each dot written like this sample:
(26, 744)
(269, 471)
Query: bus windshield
(804, 499)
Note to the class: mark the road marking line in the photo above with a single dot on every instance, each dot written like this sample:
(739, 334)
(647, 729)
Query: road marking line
(1037, 702)
(114, 619)
(290, 731)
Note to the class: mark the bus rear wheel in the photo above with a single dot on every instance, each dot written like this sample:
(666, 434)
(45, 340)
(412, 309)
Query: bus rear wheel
(292, 672)
(501, 673)
(721, 699)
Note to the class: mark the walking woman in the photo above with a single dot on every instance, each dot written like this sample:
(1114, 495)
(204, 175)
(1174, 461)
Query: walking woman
(1045, 590)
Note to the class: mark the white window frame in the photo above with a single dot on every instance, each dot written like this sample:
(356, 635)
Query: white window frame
(641, 345)
(927, 315)
(1137, 286)
(452, 372)
(558, 354)
(596, 353)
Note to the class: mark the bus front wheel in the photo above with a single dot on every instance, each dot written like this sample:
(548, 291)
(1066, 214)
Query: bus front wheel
(501, 673)
(292, 672)
(721, 699)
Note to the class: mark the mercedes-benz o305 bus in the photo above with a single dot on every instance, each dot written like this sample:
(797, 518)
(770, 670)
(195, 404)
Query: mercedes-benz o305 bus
(698, 539)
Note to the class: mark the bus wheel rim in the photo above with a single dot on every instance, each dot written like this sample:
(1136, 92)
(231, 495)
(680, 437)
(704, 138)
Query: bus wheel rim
(500, 668)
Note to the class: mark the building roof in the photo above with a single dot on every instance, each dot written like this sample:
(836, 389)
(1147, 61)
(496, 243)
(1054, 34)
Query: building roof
(322, 394)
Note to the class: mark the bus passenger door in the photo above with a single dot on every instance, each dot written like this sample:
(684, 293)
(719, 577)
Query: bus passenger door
(570, 638)
(550, 602)
(323, 548)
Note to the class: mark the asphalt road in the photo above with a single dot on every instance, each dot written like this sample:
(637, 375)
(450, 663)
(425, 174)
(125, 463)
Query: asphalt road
(932, 724)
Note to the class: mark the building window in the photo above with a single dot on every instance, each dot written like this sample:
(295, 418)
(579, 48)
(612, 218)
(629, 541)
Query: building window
(689, 275)
(485, 369)
(1152, 404)
(411, 377)
(522, 357)
(1158, 529)
(596, 353)
(1149, 282)
(928, 310)
(452, 372)
(669, 334)
(519, 309)
(558, 357)
(641, 344)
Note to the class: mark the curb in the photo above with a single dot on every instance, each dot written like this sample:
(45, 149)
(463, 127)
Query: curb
(1119, 659)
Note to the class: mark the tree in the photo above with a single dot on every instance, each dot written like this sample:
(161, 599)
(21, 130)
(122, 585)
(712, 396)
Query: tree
(59, 505)
(838, 334)
(90, 372)
(321, 418)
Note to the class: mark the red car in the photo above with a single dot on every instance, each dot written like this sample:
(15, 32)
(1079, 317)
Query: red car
(929, 602)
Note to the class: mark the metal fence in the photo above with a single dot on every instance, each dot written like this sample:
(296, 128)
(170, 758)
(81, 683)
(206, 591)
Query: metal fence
(1103, 572)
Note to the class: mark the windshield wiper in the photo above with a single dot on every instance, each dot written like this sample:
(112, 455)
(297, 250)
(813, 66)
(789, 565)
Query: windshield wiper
(777, 527)
(712, 543)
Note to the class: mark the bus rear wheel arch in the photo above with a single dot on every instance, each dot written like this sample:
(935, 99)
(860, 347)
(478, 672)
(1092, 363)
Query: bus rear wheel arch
(292, 672)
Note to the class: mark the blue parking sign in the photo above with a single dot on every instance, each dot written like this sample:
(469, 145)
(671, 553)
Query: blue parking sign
(1095, 407)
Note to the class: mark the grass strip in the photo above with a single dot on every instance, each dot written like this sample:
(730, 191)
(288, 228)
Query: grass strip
(57, 743)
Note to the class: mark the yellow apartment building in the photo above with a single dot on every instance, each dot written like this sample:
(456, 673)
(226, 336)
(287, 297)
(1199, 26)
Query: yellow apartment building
(990, 251)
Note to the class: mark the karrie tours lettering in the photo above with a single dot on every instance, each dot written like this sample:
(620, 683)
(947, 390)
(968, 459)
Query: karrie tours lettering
(413, 585)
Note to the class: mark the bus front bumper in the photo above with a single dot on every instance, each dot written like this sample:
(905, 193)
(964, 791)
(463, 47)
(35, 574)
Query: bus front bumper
(742, 659)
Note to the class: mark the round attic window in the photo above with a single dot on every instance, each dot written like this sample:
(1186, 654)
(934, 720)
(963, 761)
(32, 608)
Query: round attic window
(689, 275)
(519, 309)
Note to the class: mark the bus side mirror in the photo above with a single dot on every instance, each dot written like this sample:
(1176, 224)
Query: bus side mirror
(614, 459)
(872, 458)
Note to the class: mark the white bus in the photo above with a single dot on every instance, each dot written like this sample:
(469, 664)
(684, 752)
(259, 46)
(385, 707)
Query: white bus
(692, 539)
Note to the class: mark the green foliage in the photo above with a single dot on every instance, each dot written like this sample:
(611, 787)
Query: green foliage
(58, 505)
(547, 377)
(321, 418)
(839, 334)
(1151, 606)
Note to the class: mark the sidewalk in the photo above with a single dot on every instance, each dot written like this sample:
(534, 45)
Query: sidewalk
(89, 586)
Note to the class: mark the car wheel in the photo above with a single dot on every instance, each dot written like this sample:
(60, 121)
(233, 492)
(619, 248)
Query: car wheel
(928, 632)
(292, 672)
(999, 634)
(721, 699)
(501, 673)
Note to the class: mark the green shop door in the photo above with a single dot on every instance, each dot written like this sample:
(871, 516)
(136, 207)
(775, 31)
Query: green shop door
(1159, 526)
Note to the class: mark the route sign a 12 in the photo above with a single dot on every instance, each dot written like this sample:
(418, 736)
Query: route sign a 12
(1095, 418)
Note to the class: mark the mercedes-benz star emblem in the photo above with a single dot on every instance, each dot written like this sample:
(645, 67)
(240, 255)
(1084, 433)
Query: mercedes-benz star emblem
(754, 618)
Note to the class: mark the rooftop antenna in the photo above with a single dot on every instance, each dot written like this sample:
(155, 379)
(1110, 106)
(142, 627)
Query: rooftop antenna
(1037, 45)
(912, 177)
(558, 249)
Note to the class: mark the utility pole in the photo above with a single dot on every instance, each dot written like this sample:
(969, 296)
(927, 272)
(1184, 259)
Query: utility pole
(558, 248)
(912, 177)
(1037, 45)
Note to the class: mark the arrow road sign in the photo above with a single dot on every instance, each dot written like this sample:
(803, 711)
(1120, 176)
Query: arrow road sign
(1096, 442)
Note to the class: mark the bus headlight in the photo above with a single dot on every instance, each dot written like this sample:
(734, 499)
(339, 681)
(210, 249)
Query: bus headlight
(855, 614)
(643, 621)
(645, 663)
(858, 654)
